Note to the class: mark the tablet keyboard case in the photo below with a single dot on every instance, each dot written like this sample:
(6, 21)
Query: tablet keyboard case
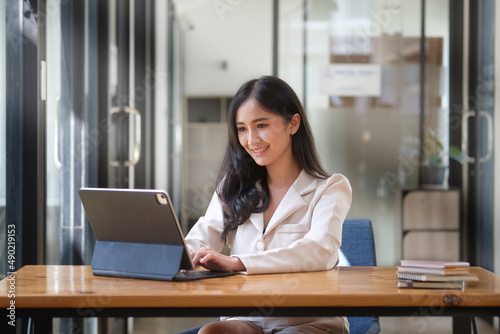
(135, 260)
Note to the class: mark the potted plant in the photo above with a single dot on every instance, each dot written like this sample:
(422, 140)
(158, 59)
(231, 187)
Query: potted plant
(435, 164)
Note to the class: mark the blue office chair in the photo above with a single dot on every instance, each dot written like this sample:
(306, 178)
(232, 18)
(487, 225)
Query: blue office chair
(358, 247)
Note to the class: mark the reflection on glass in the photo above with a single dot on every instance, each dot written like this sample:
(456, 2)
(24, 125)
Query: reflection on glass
(53, 102)
(360, 63)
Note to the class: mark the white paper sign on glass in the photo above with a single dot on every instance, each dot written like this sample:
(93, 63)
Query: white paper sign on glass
(351, 80)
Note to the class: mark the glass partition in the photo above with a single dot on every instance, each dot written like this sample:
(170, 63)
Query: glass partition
(359, 76)
(69, 134)
(70, 140)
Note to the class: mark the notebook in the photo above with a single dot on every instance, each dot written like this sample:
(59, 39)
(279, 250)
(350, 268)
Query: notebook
(138, 236)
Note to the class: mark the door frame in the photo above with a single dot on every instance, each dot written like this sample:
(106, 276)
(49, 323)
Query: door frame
(472, 38)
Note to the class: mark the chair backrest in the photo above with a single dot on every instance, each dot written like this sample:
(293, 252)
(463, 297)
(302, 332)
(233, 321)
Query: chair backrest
(358, 246)
(358, 243)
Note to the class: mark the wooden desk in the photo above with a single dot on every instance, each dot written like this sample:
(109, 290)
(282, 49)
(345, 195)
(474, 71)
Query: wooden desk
(73, 291)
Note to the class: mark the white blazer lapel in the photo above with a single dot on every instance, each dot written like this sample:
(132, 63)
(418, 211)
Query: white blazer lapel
(293, 200)
(257, 219)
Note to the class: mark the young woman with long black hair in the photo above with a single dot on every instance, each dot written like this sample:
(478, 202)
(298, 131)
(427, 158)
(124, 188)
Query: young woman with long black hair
(275, 206)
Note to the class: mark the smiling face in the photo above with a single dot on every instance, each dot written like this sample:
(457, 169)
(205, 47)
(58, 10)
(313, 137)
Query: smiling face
(265, 135)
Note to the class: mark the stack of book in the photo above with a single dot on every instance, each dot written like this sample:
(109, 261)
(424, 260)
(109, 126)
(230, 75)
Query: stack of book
(434, 274)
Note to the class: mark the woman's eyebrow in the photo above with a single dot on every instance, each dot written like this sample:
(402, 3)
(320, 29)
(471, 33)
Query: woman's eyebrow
(256, 120)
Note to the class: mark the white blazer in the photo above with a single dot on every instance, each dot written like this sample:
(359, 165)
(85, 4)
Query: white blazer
(304, 233)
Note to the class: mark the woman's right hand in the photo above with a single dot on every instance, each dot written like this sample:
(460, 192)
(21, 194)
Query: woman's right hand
(212, 260)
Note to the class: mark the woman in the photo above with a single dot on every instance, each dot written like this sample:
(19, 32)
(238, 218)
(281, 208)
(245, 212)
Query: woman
(275, 206)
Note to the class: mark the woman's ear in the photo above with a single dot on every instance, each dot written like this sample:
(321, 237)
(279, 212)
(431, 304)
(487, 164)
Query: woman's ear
(294, 123)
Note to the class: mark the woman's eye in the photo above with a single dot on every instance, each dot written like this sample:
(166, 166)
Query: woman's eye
(261, 125)
(241, 129)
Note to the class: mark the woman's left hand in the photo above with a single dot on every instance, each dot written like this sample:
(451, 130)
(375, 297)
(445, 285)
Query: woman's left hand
(212, 260)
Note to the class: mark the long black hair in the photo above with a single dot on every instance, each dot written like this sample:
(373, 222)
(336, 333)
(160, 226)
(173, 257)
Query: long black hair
(242, 183)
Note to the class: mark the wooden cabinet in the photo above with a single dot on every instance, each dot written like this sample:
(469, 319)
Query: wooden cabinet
(431, 228)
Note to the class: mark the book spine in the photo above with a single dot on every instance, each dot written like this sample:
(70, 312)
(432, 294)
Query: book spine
(430, 285)
(434, 264)
(421, 271)
(411, 277)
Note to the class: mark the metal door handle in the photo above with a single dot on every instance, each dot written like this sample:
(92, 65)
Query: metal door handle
(465, 137)
(135, 116)
(489, 121)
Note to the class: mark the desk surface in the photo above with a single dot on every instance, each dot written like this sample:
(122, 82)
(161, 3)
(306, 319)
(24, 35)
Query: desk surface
(76, 287)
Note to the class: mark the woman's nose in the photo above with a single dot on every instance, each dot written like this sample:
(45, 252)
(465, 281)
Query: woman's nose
(253, 137)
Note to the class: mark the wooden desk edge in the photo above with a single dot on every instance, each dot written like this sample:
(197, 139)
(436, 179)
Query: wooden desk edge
(90, 299)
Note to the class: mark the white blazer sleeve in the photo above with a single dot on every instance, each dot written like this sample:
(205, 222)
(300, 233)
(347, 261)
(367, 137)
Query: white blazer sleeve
(317, 249)
(208, 229)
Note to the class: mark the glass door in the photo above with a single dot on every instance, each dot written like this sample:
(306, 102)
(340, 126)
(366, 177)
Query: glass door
(91, 112)
(68, 135)
(100, 84)
(479, 123)
(131, 84)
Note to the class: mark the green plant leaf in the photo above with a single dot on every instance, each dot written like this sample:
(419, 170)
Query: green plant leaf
(456, 154)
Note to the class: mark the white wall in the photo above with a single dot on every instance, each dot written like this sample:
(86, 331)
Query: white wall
(236, 32)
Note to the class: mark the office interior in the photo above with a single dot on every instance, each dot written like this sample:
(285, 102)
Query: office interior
(134, 94)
